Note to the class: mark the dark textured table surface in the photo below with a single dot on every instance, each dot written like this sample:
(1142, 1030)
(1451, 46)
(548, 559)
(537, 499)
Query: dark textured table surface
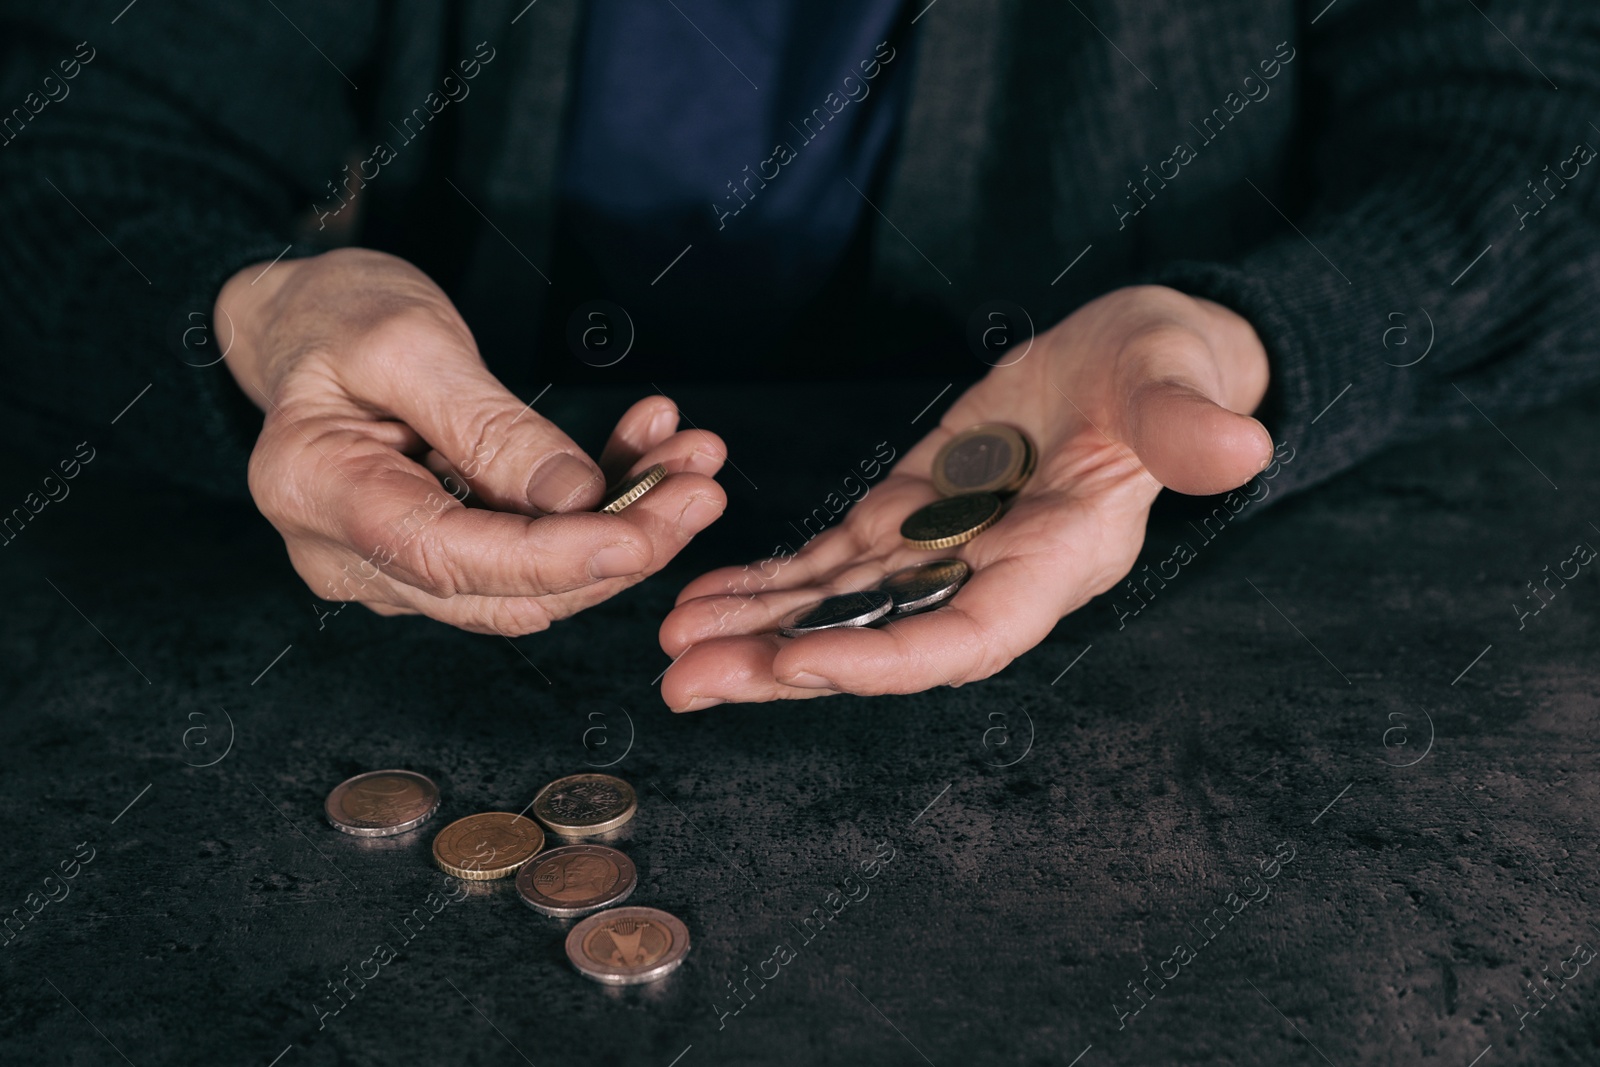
(1342, 679)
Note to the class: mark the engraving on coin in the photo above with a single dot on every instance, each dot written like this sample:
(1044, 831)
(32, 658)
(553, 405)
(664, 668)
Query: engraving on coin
(382, 803)
(632, 489)
(991, 458)
(846, 609)
(487, 846)
(574, 880)
(924, 585)
(955, 520)
(627, 946)
(585, 805)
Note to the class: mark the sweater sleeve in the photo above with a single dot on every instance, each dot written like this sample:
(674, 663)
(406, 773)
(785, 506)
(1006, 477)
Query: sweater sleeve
(146, 161)
(1445, 268)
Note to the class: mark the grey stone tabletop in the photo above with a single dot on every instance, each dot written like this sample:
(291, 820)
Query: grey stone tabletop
(1323, 792)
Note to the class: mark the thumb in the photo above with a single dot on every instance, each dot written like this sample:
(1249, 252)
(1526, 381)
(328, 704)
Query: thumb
(512, 458)
(1189, 442)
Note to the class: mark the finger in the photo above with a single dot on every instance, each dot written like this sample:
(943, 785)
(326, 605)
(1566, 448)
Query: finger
(1190, 443)
(705, 674)
(336, 573)
(685, 452)
(642, 427)
(511, 456)
(390, 512)
(710, 617)
(1176, 423)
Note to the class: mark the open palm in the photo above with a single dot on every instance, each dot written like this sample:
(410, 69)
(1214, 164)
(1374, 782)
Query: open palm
(1141, 389)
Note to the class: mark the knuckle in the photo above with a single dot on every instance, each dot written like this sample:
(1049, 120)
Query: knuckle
(271, 475)
(401, 326)
(514, 616)
(488, 435)
(426, 564)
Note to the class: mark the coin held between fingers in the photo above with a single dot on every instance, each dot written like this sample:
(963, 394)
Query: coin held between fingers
(632, 489)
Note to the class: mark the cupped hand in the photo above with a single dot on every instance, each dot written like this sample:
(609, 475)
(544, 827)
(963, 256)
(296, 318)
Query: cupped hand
(1140, 389)
(381, 418)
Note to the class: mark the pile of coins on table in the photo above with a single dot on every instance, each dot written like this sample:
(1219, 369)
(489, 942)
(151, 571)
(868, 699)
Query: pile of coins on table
(976, 471)
(618, 946)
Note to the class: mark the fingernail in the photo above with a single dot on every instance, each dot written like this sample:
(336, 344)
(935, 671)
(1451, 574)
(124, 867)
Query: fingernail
(613, 561)
(560, 481)
(662, 425)
(700, 704)
(698, 513)
(805, 680)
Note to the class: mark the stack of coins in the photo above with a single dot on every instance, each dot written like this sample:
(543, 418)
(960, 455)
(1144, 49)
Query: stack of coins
(617, 946)
(976, 471)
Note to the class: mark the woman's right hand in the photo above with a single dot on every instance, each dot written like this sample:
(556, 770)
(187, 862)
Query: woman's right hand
(374, 391)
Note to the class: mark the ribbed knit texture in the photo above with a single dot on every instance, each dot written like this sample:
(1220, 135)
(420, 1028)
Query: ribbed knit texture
(1398, 141)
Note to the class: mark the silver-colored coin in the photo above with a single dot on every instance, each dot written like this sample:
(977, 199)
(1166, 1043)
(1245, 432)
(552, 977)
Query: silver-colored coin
(925, 585)
(846, 609)
(628, 946)
(382, 803)
(574, 880)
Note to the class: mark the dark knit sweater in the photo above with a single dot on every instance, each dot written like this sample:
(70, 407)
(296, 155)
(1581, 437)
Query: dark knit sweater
(1361, 180)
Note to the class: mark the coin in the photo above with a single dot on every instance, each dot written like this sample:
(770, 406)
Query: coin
(487, 846)
(991, 458)
(955, 520)
(924, 585)
(846, 609)
(382, 803)
(627, 946)
(574, 880)
(585, 805)
(632, 489)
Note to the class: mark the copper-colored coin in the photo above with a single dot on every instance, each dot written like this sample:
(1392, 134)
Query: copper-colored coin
(627, 946)
(955, 520)
(632, 489)
(574, 880)
(991, 458)
(924, 585)
(585, 805)
(382, 803)
(487, 846)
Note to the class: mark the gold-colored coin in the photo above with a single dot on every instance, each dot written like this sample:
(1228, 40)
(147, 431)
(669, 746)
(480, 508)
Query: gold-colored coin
(632, 489)
(585, 805)
(991, 458)
(491, 845)
(955, 520)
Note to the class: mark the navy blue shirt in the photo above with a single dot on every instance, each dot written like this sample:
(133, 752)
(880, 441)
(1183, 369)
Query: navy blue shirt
(719, 155)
